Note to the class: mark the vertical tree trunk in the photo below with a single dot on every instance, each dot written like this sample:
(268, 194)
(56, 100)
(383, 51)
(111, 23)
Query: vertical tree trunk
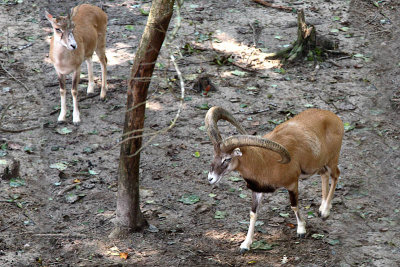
(129, 216)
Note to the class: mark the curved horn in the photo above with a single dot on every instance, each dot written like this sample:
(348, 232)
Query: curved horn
(215, 114)
(233, 142)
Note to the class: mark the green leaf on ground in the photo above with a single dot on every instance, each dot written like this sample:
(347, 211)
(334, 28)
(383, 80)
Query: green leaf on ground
(189, 199)
(317, 236)
(344, 29)
(212, 195)
(144, 12)
(243, 105)
(333, 242)
(61, 166)
(285, 215)
(234, 179)
(93, 172)
(64, 131)
(129, 27)
(242, 195)
(196, 154)
(334, 30)
(261, 245)
(220, 214)
(204, 106)
(3, 162)
(348, 127)
(239, 73)
(17, 182)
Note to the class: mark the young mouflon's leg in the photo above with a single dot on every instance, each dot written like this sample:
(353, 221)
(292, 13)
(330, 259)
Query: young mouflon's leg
(301, 224)
(63, 101)
(256, 200)
(74, 91)
(90, 88)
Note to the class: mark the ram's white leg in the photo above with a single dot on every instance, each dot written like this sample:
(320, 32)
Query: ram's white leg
(326, 205)
(90, 88)
(256, 200)
(301, 224)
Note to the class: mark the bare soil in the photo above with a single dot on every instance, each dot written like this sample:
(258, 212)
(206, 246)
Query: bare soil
(62, 218)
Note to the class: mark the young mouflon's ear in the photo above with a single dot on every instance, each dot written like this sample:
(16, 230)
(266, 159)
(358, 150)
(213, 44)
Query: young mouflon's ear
(236, 152)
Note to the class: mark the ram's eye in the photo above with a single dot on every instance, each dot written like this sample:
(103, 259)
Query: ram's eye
(58, 30)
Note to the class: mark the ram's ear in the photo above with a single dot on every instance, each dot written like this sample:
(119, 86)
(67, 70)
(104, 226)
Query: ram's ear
(236, 152)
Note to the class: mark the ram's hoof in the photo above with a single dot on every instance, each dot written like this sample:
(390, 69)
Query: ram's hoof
(323, 216)
(61, 122)
(301, 235)
(243, 250)
(77, 123)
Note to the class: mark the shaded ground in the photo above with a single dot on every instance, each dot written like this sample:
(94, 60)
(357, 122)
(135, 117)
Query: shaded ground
(38, 225)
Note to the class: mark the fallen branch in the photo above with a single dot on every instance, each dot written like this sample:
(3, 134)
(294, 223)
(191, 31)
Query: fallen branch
(15, 79)
(12, 130)
(267, 4)
(19, 130)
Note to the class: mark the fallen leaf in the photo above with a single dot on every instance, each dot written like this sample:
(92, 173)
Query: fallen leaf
(17, 182)
(220, 214)
(291, 225)
(196, 154)
(261, 245)
(285, 215)
(333, 242)
(123, 255)
(239, 73)
(234, 179)
(64, 131)
(317, 236)
(61, 166)
(189, 199)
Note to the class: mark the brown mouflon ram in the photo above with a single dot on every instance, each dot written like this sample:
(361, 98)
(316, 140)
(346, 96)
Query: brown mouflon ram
(76, 36)
(305, 145)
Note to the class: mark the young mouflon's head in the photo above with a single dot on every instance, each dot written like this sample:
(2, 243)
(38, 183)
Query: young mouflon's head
(63, 28)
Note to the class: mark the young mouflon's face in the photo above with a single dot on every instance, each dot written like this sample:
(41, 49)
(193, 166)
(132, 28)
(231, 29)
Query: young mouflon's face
(63, 28)
(222, 164)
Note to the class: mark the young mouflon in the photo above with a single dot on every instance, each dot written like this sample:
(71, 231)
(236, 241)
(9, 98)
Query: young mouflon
(75, 38)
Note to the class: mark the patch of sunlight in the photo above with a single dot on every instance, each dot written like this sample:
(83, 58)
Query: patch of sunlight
(244, 54)
(118, 54)
(153, 105)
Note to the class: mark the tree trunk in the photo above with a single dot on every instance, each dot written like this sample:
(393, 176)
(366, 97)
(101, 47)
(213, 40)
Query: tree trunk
(306, 41)
(129, 216)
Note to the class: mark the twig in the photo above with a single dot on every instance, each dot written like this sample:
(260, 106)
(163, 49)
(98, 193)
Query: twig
(67, 188)
(19, 130)
(56, 234)
(89, 96)
(173, 123)
(334, 63)
(12, 130)
(15, 79)
(264, 3)
(8, 226)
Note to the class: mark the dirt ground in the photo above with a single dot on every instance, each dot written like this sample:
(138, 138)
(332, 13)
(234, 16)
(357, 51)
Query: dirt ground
(59, 212)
